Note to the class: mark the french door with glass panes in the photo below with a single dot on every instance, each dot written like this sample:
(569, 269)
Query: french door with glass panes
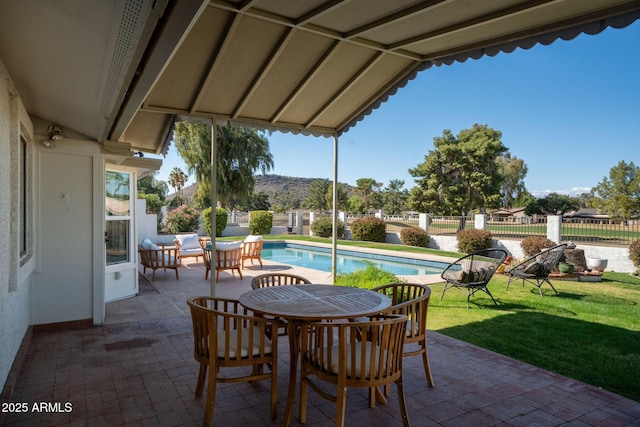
(121, 274)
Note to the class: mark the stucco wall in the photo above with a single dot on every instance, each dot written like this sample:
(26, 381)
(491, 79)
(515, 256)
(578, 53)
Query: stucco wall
(15, 271)
(618, 257)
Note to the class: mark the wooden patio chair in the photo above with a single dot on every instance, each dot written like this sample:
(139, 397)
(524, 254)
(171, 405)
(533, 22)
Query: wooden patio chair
(352, 354)
(226, 335)
(189, 245)
(228, 257)
(158, 256)
(411, 300)
(536, 268)
(473, 272)
(252, 249)
(277, 279)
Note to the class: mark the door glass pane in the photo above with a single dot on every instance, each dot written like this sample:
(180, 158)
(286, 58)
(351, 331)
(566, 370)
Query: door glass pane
(117, 188)
(117, 236)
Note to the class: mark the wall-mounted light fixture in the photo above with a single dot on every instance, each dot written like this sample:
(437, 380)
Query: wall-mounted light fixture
(55, 134)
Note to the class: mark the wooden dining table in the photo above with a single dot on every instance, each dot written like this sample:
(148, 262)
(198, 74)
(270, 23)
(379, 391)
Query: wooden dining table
(301, 303)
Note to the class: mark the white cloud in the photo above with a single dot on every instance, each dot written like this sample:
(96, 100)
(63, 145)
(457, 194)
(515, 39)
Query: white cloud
(575, 191)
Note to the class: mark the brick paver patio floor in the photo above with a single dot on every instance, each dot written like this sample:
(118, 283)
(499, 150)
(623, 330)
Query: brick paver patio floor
(142, 373)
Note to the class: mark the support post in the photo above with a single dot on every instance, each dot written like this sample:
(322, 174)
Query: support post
(554, 228)
(214, 203)
(334, 213)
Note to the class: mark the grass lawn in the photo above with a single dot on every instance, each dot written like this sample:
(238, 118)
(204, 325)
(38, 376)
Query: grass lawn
(589, 331)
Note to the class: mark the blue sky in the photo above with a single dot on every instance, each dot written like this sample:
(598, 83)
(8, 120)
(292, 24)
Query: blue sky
(570, 110)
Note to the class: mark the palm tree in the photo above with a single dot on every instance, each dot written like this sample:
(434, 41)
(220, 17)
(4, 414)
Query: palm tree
(177, 179)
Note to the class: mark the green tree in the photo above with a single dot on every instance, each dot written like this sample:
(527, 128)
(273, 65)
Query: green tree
(177, 179)
(355, 205)
(366, 187)
(460, 173)
(513, 170)
(619, 194)
(394, 197)
(150, 185)
(256, 202)
(523, 199)
(316, 195)
(586, 199)
(553, 204)
(240, 153)
(343, 198)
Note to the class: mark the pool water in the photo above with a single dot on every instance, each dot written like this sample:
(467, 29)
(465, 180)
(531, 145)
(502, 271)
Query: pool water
(347, 261)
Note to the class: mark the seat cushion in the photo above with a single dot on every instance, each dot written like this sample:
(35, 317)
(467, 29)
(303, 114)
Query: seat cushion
(192, 251)
(228, 246)
(244, 346)
(533, 268)
(188, 241)
(253, 238)
(457, 276)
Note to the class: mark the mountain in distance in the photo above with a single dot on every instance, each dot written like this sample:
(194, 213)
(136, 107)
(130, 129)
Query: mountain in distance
(277, 187)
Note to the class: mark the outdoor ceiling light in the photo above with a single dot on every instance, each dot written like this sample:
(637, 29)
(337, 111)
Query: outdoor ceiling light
(55, 135)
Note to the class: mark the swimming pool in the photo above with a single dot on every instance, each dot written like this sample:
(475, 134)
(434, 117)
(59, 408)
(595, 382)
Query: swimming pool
(319, 258)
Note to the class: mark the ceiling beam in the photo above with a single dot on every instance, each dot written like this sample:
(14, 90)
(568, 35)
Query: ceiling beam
(312, 28)
(411, 68)
(468, 23)
(328, 54)
(264, 124)
(219, 51)
(177, 22)
(352, 81)
(393, 18)
(535, 31)
(262, 73)
(325, 8)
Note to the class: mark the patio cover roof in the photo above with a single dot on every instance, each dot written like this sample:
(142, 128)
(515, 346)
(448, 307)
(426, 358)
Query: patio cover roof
(126, 70)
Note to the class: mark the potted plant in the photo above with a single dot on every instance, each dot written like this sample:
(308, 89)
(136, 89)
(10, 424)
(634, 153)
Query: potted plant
(566, 267)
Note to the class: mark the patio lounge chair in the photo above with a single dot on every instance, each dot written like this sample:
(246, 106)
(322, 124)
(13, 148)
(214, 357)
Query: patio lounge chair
(252, 249)
(189, 245)
(158, 256)
(228, 257)
(473, 272)
(536, 269)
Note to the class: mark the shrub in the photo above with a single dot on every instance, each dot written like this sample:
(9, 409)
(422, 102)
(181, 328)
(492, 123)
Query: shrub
(182, 219)
(414, 236)
(221, 221)
(154, 204)
(368, 278)
(473, 240)
(323, 227)
(369, 229)
(634, 253)
(535, 244)
(260, 222)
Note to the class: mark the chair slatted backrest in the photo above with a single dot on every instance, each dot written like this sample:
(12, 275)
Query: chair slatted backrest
(277, 279)
(411, 300)
(353, 354)
(227, 335)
